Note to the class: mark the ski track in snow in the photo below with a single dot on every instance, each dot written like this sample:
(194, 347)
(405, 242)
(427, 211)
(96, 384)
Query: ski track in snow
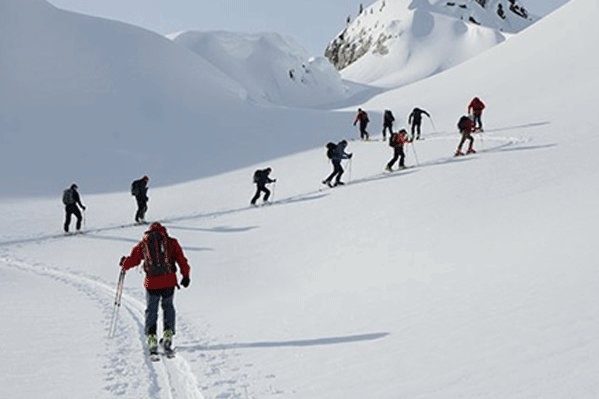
(174, 378)
(169, 378)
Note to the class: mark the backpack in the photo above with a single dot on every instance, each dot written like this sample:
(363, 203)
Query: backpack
(331, 147)
(257, 174)
(135, 188)
(393, 139)
(67, 197)
(462, 123)
(155, 247)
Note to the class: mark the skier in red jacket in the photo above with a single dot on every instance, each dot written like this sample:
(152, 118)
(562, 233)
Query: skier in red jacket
(475, 108)
(159, 253)
(396, 141)
(362, 117)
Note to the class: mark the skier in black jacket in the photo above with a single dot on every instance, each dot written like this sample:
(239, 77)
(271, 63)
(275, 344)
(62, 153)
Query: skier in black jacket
(70, 199)
(336, 153)
(139, 189)
(261, 179)
(415, 119)
(388, 120)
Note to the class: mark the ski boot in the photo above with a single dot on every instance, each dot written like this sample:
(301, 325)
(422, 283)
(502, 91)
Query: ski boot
(327, 183)
(389, 168)
(470, 151)
(458, 153)
(339, 183)
(167, 343)
(153, 346)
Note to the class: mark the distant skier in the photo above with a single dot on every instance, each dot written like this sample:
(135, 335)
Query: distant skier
(475, 108)
(388, 120)
(397, 140)
(71, 201)
(336, 153)
(362, 117)
(466, 128)
(415, 120)
(160, 254)
(261, 179)
(139, 189)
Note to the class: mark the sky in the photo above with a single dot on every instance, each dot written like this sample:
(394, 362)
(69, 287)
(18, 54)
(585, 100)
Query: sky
(312, 22)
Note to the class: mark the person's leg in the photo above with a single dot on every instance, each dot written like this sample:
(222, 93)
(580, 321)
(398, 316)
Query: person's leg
(256, 196)
(402, 157)
(338, 171)
(67, 219)
(333, 173)
(266, 193)
(418, 130)
(77, 214)
(140, 207)
(394, 159)
(168, 310)
(413, 129)
(152, 301)
(463, 139)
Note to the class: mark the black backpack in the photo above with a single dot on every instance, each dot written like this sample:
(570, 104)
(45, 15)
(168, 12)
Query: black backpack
(157, 261)
(257, 174)
(68, 197)
(135, 189)
(331, 147)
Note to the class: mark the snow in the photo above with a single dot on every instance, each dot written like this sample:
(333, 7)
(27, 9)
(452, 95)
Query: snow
(470, 277)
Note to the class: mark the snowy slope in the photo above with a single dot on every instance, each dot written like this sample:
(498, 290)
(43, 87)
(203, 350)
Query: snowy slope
(93, 100)
(416, 39)
(271, 68)
(460, 278)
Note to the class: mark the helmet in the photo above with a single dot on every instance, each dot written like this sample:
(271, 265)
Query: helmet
(74, 186)
(146, 178)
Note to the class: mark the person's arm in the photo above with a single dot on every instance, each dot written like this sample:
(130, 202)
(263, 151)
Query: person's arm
(77, 199)
(180, 258)
(134, 258)
(426, 113)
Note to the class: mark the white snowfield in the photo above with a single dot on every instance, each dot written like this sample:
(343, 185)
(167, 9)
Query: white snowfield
(471, 277)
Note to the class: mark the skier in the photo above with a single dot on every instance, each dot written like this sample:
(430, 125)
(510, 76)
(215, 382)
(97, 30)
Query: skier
(71, 201)
(261, 179)
(415, 120)
(466, 127)
(475, 108)
(139, 189)
(388, 120)
(336, 153)
(159, 253)
(397, 140)
(362, 117)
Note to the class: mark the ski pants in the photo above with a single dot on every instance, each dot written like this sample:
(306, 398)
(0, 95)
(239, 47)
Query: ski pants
(153, 298)
(142, 207)
(397, 154)
(478, 122)
(416, 128)
(387, 127)
(363, 132)
(72, 209)
(465, 136)
(260, 188)
(337, 171)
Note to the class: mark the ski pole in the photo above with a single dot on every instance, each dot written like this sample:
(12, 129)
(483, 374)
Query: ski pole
(415, 155)
(274, 188)
(84, 218)
(117, 303)
(432, 124)
(349, 169)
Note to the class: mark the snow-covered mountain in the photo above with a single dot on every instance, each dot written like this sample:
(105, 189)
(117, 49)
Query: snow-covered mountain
(418, 38)
(272, 69)
(123, 101)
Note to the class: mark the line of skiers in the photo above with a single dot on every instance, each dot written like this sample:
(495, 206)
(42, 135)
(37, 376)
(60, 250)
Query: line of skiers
(161, 253)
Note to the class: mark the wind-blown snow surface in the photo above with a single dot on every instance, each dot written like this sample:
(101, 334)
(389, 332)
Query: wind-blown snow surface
(473, 277)
(273, 69)
(96, 101)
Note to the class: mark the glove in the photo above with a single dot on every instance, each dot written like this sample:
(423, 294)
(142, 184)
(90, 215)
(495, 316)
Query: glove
(185, 282)
(82, 206)
(122, 260)
(350, 155)
(274, 180)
